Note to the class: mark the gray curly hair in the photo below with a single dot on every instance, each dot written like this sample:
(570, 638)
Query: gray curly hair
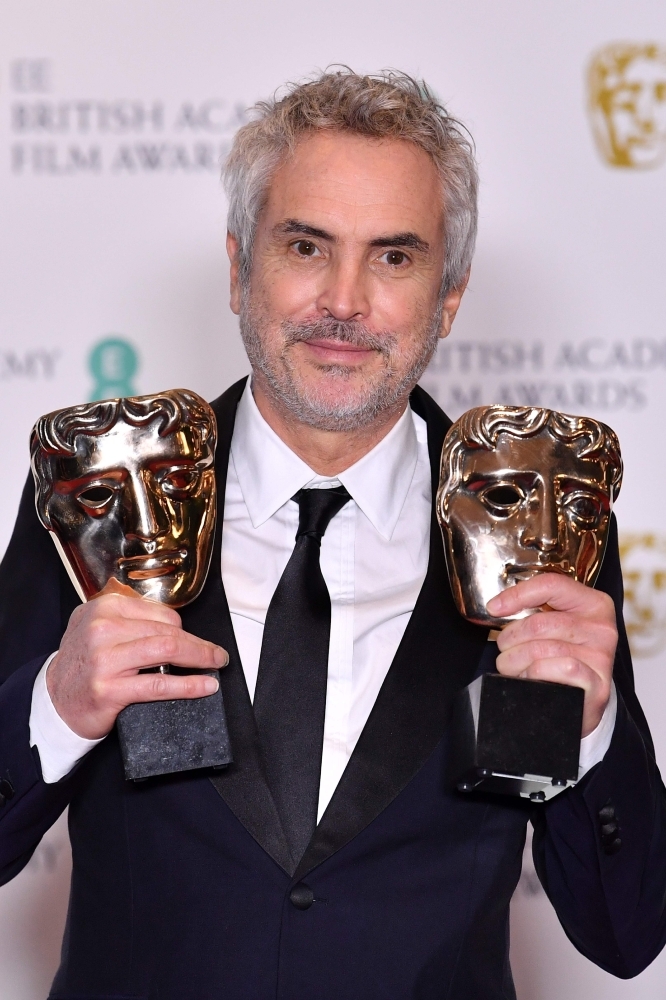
(387, 105)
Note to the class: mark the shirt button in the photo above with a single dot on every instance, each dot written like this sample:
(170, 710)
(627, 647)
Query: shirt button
(302, 896)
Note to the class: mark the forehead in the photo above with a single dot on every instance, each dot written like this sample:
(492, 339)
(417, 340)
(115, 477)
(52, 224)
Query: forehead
(124, 446)
(543, 454)
(332, 178)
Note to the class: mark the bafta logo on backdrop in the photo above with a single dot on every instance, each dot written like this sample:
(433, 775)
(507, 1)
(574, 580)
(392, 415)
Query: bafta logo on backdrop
(113, 363)
(644, 572)
(627, 104)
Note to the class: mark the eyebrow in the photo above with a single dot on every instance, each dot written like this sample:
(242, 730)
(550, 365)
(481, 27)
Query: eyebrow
(408, 240)
(292, 226)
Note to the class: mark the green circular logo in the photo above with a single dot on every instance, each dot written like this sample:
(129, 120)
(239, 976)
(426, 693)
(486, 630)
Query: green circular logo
(113, 363)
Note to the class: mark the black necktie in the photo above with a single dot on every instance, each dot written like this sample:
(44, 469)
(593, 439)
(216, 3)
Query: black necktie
(290, 697)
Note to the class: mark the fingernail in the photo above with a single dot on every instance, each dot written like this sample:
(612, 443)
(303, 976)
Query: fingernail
(220, 656)
(494, 604)
(211, 684)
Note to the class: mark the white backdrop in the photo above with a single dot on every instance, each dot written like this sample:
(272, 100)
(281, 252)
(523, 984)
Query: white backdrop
(113, 119)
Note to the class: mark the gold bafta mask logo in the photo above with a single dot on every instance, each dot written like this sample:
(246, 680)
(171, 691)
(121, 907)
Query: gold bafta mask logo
(627, 103)
(644, 572)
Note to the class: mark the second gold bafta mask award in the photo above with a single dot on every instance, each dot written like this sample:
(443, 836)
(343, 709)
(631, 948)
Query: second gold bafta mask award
(523, 490)
(126, 488)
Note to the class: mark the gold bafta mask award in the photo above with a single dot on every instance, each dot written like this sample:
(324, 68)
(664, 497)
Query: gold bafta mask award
(523, 490)
(627, 104)
(126, 488)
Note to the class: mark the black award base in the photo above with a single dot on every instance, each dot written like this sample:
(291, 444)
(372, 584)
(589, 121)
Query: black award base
(516, 737)
(164, 737)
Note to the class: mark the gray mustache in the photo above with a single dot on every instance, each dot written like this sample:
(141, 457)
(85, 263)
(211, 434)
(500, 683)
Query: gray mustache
(346, 333)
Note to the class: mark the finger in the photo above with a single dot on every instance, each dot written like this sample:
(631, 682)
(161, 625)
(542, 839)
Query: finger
(162, 687)
(180, 649)
(118, 606)
(560, 592)
(559, 625)
(519, 659)
(558, 670)
(108, 632)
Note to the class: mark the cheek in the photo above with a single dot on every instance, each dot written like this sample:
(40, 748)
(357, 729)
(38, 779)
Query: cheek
(67, 517)
(586, 549)
(403, 307)
(194, 525)
(284, 292)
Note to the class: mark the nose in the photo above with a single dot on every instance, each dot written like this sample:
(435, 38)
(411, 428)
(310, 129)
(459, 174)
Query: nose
(344, 293)
(145, 514)
(542, 528)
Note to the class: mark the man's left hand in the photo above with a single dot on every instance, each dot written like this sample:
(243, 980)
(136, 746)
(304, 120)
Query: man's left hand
(574, 643)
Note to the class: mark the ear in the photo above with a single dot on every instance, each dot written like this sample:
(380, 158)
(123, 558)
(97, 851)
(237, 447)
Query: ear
(450, 306)
(235, 297)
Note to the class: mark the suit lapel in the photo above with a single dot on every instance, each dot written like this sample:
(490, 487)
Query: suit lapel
(436, 658)
(242, 784)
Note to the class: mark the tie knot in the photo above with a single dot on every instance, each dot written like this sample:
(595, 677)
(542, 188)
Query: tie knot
(317, 508)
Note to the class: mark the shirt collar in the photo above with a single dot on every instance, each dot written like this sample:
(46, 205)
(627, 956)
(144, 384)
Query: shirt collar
(269, 473)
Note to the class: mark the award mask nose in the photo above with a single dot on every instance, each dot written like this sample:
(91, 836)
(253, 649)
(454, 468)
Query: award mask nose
(542, 529)
(144, 511)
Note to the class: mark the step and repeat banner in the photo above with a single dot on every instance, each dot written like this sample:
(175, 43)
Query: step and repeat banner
(114, 119)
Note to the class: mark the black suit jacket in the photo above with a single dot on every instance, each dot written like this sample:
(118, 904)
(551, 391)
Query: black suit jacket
(181, 886)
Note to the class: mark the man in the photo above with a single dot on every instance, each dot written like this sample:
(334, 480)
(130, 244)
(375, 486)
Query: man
(332, 859)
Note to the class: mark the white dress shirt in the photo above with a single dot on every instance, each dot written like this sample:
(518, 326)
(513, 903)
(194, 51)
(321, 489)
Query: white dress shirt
(374, 557)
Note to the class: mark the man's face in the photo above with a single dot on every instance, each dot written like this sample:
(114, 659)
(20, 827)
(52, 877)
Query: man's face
(139, 507)
(530, 505)
(341, 314)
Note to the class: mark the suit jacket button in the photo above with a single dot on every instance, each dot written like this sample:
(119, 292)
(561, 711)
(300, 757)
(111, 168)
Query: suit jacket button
(302, 896)
(6, 790)
(613, 847)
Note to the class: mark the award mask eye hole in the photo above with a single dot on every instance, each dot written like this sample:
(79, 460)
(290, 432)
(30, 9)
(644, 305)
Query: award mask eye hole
(180, 483)
(95, 497)
(502, 499)
(585, 507)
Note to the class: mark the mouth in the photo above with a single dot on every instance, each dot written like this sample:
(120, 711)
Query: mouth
(149, 567)
(337, 351)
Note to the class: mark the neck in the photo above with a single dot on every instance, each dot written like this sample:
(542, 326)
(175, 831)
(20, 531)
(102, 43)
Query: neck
(326, 452)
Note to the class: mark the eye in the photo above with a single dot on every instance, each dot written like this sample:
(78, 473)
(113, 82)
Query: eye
(305, 248)
(95, 497)
(180, 483)
(584, 507)
(394, 257)
(502, 499)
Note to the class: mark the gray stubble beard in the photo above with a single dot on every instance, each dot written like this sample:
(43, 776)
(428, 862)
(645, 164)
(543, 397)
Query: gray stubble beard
(384, 394)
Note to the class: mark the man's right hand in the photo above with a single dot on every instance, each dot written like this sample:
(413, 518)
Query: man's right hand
(95, 673)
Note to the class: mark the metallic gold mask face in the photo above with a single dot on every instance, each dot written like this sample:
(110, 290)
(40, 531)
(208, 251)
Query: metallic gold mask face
(627, 101)
(643, 559)
(127, 489)
(524, 490)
